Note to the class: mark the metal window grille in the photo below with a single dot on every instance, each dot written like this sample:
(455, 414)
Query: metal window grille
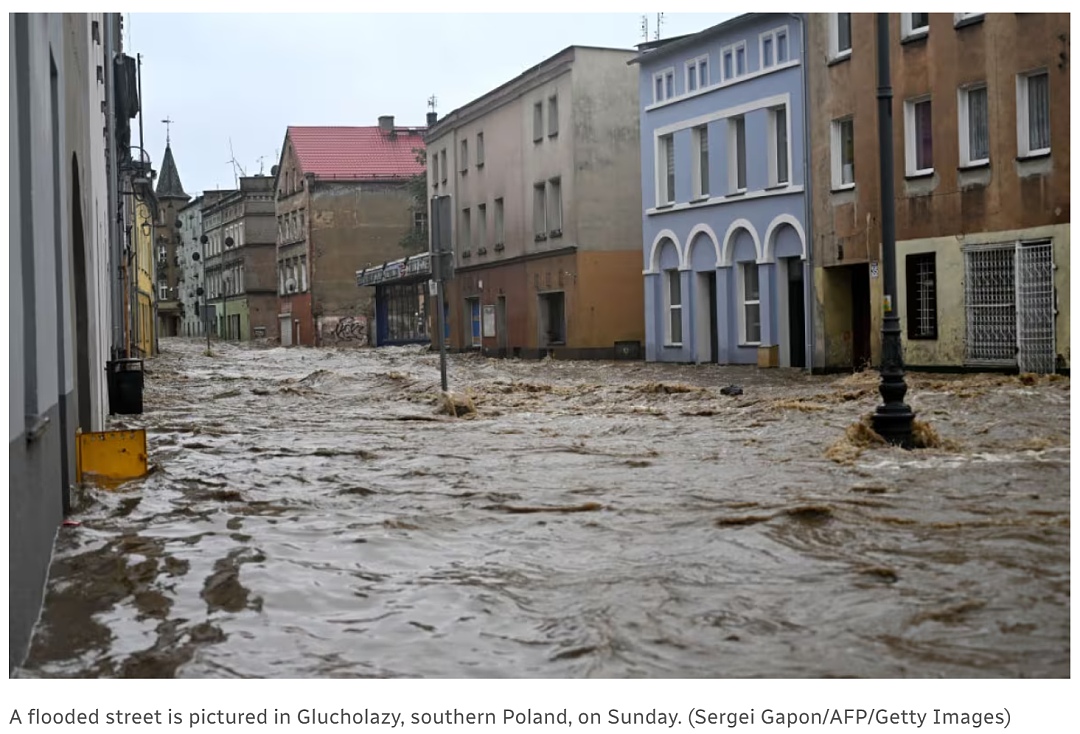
(1035, 306)
(1010, 306)
(922, 290)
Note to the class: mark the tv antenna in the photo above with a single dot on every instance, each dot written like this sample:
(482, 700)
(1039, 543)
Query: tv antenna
(432, 102)
(237, 168)
(659, 22)
(262, 165)
(645, 28)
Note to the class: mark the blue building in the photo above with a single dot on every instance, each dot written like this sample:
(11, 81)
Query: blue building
(725, 192)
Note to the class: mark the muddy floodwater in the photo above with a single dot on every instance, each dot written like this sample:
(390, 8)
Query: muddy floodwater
(313, 513)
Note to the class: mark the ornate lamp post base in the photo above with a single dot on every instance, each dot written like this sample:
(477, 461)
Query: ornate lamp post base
(893, 420)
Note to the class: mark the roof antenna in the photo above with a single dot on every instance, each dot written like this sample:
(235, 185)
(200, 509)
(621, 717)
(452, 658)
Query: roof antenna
(262, 164)
(659, 22)
(645, 28)
(236, 166)
(432, 102)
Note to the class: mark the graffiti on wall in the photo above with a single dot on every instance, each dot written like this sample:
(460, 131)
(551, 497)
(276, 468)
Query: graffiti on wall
(344, 331)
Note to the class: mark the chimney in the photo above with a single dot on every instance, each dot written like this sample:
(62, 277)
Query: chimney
(432, 118)
(386, 123)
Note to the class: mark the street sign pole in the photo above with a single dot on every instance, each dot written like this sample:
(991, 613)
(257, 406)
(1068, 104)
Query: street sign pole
(441, 250)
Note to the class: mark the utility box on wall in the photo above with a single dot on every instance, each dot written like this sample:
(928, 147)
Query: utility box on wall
(768, 356)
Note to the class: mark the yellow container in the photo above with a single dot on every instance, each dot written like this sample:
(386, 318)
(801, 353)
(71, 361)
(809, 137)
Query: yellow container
(111, 454)
(768, 356)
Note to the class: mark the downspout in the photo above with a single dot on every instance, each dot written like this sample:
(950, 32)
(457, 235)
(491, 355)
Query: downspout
(808, 190)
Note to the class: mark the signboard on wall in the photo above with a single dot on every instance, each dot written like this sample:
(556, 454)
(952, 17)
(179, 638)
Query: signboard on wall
(489, 321)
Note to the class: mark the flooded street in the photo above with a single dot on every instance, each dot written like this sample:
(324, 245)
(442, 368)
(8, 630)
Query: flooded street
(312, 513)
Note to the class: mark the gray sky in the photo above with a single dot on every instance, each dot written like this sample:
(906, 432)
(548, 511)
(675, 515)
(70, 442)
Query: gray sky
(249, 76)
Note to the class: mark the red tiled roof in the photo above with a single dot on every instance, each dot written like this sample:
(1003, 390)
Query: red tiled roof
(357, 152)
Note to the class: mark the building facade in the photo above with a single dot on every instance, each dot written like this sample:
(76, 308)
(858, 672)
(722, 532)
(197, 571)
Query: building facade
(981, 160)
(543, 178)
(724, 194)
(171, 199)
(343, 203)
(190, 231)
(240, 272)
(63, 256)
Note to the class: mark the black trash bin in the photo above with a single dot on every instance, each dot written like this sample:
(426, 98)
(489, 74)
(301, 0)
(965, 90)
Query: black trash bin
(125, 381)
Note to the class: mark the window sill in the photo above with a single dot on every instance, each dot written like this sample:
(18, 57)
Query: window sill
(479, 166)
(555, 233)
(978, 165)
(553, 135)
(749, 345)
(778, 186)
(919, 174)
(915, 37)
(1033, 156)
(737, 192)
(539, 139)
(965, 22)
(673, 346)
(839, 58)
(699, 199)
(922, 338)
(668, 205)
(842, 188)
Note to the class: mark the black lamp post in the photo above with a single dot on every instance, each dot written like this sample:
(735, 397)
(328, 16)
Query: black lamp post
(892, 420)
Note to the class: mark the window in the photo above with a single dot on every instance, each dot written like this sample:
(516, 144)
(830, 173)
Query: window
(553, 116)
(481, 225)
(843, 154)
(778, 146)
(466, 228)
(839, 35)
(538, 122)
(479, 150)
(163, 292)
(663, 85)
(774, 48)
(751, 304)
(435, 170)
(922, 296)
(539, 212)
(914, 25)
(445, 170)
(974, 126)
(666, 170)
(700, 137)
(673, 286)
(737, 158)
(734, 60)
(554, 207)
(419, 222)
(697, 73)
(1033, 113)
(962, 19)
(499, 221)
(463, 164)
(919, 137)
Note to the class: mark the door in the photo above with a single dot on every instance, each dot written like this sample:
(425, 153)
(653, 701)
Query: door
(860, 317)
(705, 331)
(285, 329)
(475, 322)
(796, 304)
(500, 325)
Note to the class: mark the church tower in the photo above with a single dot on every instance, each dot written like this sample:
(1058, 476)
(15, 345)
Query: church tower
(168, 271)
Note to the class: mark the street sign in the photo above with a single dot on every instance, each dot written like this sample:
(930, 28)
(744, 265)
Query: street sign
(873, 269)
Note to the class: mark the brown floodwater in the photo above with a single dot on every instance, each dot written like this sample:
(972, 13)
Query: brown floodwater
(314, 513)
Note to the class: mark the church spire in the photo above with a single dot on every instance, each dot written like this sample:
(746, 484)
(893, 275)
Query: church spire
(169, 180)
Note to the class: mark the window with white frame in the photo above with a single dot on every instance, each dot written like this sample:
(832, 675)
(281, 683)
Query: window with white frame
(737, 153)
(700, 137)
(553, 116)
(539, 212)
(965, 18)
(163, 292)
(697, 73)
(914, 25)
(1033, 113)
(733, 60)
(750, 295)
(839, 35)
(538, 122)
(918, 136)
(499, 222)
(673, 298)
(779, 154)
(554, 207)
(666, 170)
(663, 85)
(481, 225)
(974, 125)
(479, 150)
(774, 47)
(463, 164)
(843, 153)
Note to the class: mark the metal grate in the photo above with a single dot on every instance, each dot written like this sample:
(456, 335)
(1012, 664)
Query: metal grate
(990, 293)
(1035, 306)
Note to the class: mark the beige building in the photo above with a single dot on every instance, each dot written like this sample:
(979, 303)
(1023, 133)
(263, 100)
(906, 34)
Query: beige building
(981, 161)
(544, 176)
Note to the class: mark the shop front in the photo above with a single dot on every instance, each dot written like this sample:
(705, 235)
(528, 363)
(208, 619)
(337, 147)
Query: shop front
(401, 299)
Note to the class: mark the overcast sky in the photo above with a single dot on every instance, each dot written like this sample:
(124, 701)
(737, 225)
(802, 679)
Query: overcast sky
(248, 77)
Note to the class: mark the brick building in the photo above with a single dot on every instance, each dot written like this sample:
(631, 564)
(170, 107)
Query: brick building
(171, 199)
(343, 204)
